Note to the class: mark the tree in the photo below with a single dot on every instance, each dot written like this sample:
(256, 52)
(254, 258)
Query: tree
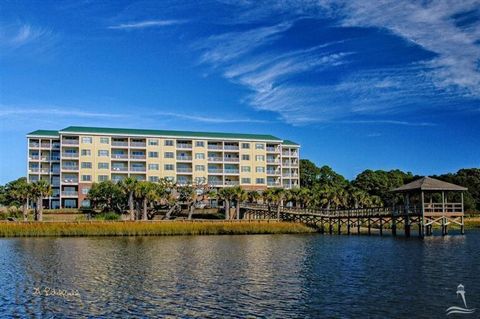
(128, 186)
(40, 190)
(253, 196)
(21, 191)
(187, 195)
(227, 195)
(107, 196)
(309, 173)
(239, 195)
(145, 192)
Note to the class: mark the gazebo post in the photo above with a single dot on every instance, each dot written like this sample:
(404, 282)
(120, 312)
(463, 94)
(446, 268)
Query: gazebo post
(421, 228)
(462, 227)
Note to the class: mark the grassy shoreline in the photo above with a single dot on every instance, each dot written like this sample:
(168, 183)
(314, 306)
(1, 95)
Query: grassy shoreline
(150, 228)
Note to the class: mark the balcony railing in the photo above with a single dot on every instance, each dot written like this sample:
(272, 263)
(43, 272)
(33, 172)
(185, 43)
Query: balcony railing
(70, 155)
(138, 169)
(70, 168)
(232, 183)
(215, 170)
(273, 160)
(120, 168)
(122, 156)
(34, 157)
(70, 193)
(35, 145)
(273, 149)
(138, 144)
(215, 183)
(215, 159)
(184, 146)
(54, 158)
(45, 170)
(184, 158)
(33, 169)
(119, 143)
(55, 171)
(70, 142)
(270, 172)
(273, 183)
(70, 181)
(231, 171)
(184, 169)
(56, 145)
(214, 147)
(45, 145)
(231, 147)
(137, 156)
(231, 159)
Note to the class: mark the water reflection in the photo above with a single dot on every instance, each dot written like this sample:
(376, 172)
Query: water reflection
(299, 276)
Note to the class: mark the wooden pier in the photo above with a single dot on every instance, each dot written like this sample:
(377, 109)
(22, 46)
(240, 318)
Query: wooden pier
(419, 212)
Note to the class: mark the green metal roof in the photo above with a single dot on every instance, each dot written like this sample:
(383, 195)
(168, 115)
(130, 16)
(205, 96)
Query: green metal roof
(44, 133)
(125, 131)
(288, 142)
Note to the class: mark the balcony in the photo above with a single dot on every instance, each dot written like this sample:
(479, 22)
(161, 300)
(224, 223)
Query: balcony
(119, 143)
(120, 156)
(70, 168)
(215, 170)
(215, 147)
(55, 171)
(34, 145)
(54, 158)
(271, 183)
(184, 158)
(70, 155)
(215, 159)
(44, 171)
(33, 169)
(184, 169)
(137, 156)
(184, 146)
(70, 142)
(120, 168)
(34, 157)
(232, 183)
(215, 182)
(285, 153)
(273, 160)
(45, 145)
(138, 144)
(272, 172)
(69, 193)
(138, 169)
(231, 147)
(70, 180)
(231, 159)
(56, 146)
(231, 171)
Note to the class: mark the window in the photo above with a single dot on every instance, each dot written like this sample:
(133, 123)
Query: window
(153, 154)
(260, 158)
(86, 165)
(104, 140)
(153, 142)
(168, 142)
(102, 178)
(170, 178)
(86, 140)
(259, 146)
(102, 152)
(200, 168)
(85, 190)
(86, 153)
(260, 180)
(245, 157)
(86, 178)
(246, 169)
(200, 144)
(245, 145)
(103, 165)
(199, 155)
(260, 169)
(86, 203)
(153, 167)
(169, 167)
(200, 180)
(153, 179)
(168, 155)
(246, 181)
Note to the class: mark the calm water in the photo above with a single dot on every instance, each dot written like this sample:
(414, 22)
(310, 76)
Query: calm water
(279, 276)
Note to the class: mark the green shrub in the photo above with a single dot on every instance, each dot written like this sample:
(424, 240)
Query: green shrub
(107, 216)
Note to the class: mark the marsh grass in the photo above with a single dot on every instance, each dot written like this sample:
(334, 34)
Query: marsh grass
(151, 228)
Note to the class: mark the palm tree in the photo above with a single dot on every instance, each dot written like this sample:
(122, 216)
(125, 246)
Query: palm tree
(358, 197)
(22, 191)
(128, 186)
(253, 196)
(40, 190)
(187, 195)
(146, 192)
(279, 196)
(226, 194)
(240, 195)
(304, 197)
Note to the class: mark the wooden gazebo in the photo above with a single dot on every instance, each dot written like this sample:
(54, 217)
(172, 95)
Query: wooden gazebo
(435, 202)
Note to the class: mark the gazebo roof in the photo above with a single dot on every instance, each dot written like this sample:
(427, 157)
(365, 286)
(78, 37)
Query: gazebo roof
(429, 184)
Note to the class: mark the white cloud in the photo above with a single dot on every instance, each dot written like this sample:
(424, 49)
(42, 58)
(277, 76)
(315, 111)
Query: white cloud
(146, 24)
(18, 36)
(209, 119)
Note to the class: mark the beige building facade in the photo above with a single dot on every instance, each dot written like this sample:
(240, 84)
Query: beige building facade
(75, 157)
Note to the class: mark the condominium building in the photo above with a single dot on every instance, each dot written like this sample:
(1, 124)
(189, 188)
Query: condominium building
(75, 157)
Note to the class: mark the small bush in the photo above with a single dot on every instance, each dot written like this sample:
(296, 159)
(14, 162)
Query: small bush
(107, 216)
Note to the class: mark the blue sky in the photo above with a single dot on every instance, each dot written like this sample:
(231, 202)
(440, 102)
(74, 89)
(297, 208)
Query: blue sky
(359, 84)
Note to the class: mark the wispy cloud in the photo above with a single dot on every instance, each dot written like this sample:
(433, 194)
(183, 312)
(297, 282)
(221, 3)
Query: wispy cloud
(388, 122)
(209, 119)
(13, 37)
(7, 112)
(146, 24)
